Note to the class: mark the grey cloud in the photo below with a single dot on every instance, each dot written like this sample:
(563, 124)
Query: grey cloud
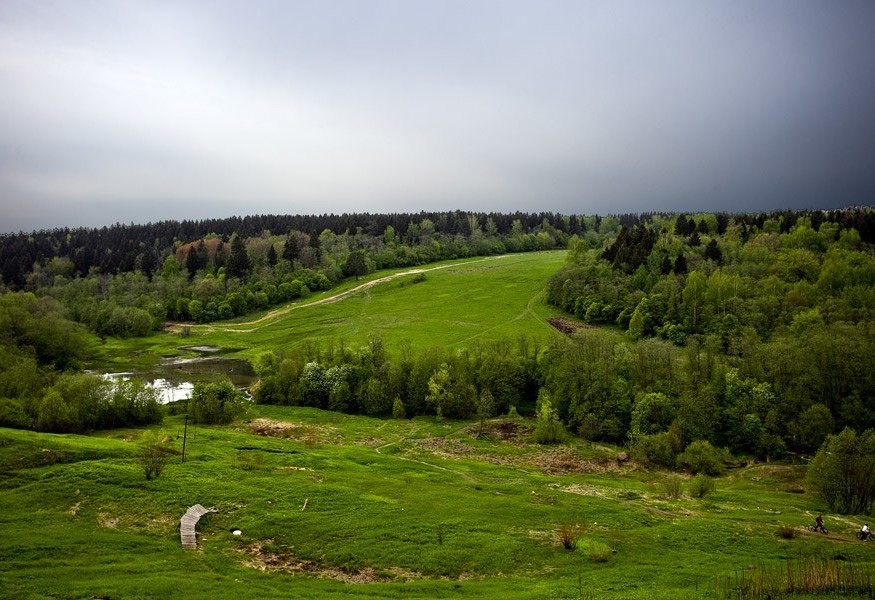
(116, 111)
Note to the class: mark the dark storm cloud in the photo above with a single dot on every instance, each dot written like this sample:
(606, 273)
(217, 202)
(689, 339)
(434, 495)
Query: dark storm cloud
(120, 111)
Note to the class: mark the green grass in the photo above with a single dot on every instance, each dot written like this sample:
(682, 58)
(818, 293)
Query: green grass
(424, 507)
(459, 302)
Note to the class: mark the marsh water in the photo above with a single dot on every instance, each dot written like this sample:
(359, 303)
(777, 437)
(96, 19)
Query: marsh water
(174, 376)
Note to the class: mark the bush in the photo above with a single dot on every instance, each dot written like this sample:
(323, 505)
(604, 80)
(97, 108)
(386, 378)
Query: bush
(701, 485)
(786, 532)
(671, 487)
(701, 457)
(215, 403)
(659, 449)
(842, 472)
(548, 428)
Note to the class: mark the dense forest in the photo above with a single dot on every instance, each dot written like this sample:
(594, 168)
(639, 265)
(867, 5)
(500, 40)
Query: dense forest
(752, 333)
(128, 280)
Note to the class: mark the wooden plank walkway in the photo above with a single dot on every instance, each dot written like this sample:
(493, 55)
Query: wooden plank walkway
(188, 522)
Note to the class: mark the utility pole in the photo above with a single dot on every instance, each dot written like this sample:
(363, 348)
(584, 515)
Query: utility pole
(184, 436)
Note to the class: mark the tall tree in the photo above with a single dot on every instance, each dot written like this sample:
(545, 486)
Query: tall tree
(290, 249)
(355, 264)
(238, 262)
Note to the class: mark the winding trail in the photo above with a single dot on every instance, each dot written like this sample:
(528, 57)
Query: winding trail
(279, 312)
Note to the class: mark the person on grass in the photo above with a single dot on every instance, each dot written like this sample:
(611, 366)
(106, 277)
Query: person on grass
(818, 523)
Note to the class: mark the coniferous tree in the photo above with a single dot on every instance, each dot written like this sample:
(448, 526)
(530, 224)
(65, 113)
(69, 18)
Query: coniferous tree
(290, 249)
(271, 256)
(712, 252)
(238, 263)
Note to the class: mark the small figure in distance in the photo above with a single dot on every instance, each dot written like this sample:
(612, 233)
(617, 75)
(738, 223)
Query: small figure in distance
(864, 532)
(818, 523)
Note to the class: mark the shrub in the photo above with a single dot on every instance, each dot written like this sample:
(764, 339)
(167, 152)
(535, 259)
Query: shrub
(671, 486)
(842, 472)
(701, 457)
(786, 532)
(548, 428)
(568, 535)
(215, 403)
(154, 456)
(398, 411)
(701, 485)
(659, 449)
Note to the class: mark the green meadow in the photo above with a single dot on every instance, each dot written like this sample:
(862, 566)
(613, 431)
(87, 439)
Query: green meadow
(457, 303)
(341, 506)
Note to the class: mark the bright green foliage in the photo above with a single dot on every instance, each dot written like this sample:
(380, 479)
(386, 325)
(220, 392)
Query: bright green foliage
(451, 396)
(843, 472)
(548, 427)
(215, 403)
(701, 457)
(37, 325)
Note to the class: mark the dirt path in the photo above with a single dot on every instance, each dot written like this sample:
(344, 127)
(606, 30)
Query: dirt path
(279, 312)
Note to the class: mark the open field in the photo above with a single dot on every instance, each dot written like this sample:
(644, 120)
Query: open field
(339, 506)
(459, 302)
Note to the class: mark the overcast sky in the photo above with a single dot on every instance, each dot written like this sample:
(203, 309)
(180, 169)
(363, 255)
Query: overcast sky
(142, 111)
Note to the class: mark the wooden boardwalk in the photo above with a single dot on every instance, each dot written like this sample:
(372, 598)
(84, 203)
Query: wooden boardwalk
(188, 522)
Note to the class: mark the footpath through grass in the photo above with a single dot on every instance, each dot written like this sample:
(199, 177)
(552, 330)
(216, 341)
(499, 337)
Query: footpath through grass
(458, 303)
(340, 506)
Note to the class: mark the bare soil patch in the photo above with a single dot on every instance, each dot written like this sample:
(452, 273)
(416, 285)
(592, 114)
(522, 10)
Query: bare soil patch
(553, 460)
(302, 432)
(568, 326)
(506, 431)
(264, 555)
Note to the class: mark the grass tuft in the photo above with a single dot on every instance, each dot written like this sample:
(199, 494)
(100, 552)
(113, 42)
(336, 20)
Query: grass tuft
(568, 534)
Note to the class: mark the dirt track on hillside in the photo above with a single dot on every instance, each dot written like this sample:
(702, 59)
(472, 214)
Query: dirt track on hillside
(257, 324)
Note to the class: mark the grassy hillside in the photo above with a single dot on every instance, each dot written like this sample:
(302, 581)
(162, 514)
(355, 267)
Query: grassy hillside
(338, 506)
(457, 302)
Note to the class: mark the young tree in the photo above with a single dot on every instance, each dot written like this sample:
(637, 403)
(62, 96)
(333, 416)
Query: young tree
(355, 264)
(548, 427)
(485, 409)
(154, 455)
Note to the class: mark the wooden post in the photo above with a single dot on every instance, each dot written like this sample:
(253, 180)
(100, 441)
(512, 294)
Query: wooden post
(184, 436)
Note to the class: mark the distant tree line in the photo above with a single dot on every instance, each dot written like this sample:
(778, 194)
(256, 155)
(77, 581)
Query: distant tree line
(127, 248)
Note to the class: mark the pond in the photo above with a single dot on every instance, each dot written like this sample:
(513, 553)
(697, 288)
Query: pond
(174, 377)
